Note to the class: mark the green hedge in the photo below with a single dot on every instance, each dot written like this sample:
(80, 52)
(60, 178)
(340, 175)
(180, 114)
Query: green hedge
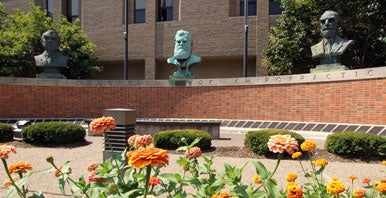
(6, 132)
(358, 144)
(172, 139)
(257, 141)
(53, 133)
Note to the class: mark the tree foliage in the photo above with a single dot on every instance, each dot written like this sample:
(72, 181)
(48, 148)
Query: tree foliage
(298, 29)
(20, 41)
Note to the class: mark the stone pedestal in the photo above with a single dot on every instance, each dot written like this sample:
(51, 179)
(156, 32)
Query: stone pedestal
(51, 72)
(180, 81)
(328, 68)
(125, 120)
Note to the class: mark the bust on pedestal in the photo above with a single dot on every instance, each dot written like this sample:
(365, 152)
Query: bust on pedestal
(183, 58)
(51, 60)
(332, 46)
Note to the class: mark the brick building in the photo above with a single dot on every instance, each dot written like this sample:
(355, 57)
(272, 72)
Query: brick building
(217, 27)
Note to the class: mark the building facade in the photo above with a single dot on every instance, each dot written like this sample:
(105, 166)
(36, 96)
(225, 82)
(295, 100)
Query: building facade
(217, 28)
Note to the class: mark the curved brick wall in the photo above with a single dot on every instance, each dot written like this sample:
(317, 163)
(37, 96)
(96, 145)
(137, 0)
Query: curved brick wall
(355, 96)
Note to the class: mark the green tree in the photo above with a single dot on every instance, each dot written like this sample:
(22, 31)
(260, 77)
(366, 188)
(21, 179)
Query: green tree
(297, 30)
(20, 41)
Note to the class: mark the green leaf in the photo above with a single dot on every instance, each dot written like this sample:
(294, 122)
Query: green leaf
(260, 169)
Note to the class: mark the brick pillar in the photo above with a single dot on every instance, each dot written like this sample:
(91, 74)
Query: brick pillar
(262, 26)
(125, 119)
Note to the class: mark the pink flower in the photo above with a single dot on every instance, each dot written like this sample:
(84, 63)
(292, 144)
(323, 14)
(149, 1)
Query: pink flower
(5, 150)
(281, 143)
(193, 152)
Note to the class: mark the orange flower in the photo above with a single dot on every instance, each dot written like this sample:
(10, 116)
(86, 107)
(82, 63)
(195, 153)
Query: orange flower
(291, 177)
(5, 150)
(293, 190)
(92, 167)
(223, 195)
(381, 187)
(154, 181)
(335, 187)
(383, 162)
(256, 179)
(20, 167)
(359, 193)
(308, 145)
(320, 162)
(143, 140)
(102, 124)
(296, 155)
(193, 152)
(132, 139)
(352, 177)
(366, 180)
(57, 172)
(281, 143)
(7, 183)
(91, 177)
(148, 156)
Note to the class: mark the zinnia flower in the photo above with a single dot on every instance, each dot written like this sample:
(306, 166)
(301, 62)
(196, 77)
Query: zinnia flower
(57, 172)
(281, 143)
(308, 145)
(383, 162)
(381, 187)
(291, 177)
(366, 180)
(143, 140)
(294, 191)
(20, 167)
(102, 124)
(320, 162)
(193, 152)
(296, 155)
(359, 193)
(335, 187)
(7, 183)
(256, 179)
(92, 167)
(148, 156)
(223, 195)
(352, 177)
(132, 139)
(91, 177)
(5, 150)
(154, 181)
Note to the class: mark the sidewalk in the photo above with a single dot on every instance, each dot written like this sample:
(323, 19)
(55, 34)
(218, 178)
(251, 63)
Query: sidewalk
(80, 157)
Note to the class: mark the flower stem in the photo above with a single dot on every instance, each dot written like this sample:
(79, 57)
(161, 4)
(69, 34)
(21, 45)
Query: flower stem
(148, 171)
(277, 165)
(112, 155)
(21, 194)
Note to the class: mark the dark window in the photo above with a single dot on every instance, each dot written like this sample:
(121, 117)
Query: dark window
(251, 7)
(72, 10)
(50, 7)
(274, 7)
(140, 11)
(165, 10)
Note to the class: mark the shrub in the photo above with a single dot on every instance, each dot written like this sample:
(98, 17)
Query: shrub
(257, 141)
(53, 133)
(6, 132)
(362, 145)
(172, 139)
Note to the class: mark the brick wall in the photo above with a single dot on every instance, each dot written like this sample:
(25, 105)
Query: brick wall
(356, 101)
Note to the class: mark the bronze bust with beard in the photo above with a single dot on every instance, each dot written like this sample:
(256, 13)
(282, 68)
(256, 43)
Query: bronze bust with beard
(183, 57)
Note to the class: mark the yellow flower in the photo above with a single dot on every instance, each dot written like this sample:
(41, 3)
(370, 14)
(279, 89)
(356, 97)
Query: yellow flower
(294, 191)
(20, 167)
(352, 177)
(148, 156)
(223, 195)
(296, 155)
(359, 193)
(381, 187)
(5, 150)
(102, 124)
(335, 187)
(291, 177)
(383, 162)
(320, 162)
(308, 145)
(256, 179)
(281, 143)
(193, 152)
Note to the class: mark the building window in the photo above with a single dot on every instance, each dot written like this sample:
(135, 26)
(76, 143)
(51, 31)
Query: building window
(72, 10)
(50, 7)
(251, 7)
(274, 7)
(165, 12)
(139, 11)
